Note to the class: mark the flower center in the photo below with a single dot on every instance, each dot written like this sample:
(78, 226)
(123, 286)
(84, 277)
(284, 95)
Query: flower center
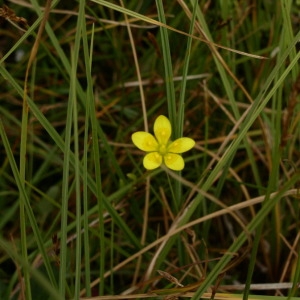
(162, 149)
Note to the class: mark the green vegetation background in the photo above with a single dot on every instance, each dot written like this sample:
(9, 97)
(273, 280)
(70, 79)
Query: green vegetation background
(79, 214)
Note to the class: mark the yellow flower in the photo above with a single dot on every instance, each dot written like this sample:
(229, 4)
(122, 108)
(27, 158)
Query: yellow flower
(159, 147)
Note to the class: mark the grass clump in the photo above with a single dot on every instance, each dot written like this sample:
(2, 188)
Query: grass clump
(81, 218)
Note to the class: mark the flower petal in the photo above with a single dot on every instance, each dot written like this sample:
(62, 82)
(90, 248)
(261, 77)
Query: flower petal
(152, 160)
(144, 141)
(162, 129)
(174, 161)
(181, 145)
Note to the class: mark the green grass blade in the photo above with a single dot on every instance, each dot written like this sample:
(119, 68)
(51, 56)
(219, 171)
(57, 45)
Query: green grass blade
(171, 98)
(65, 198)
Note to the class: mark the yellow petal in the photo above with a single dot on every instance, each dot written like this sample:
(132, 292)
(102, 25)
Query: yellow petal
(152, 160)
(181, 145)
(162, 129)
(174, 161)
(144, 141)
